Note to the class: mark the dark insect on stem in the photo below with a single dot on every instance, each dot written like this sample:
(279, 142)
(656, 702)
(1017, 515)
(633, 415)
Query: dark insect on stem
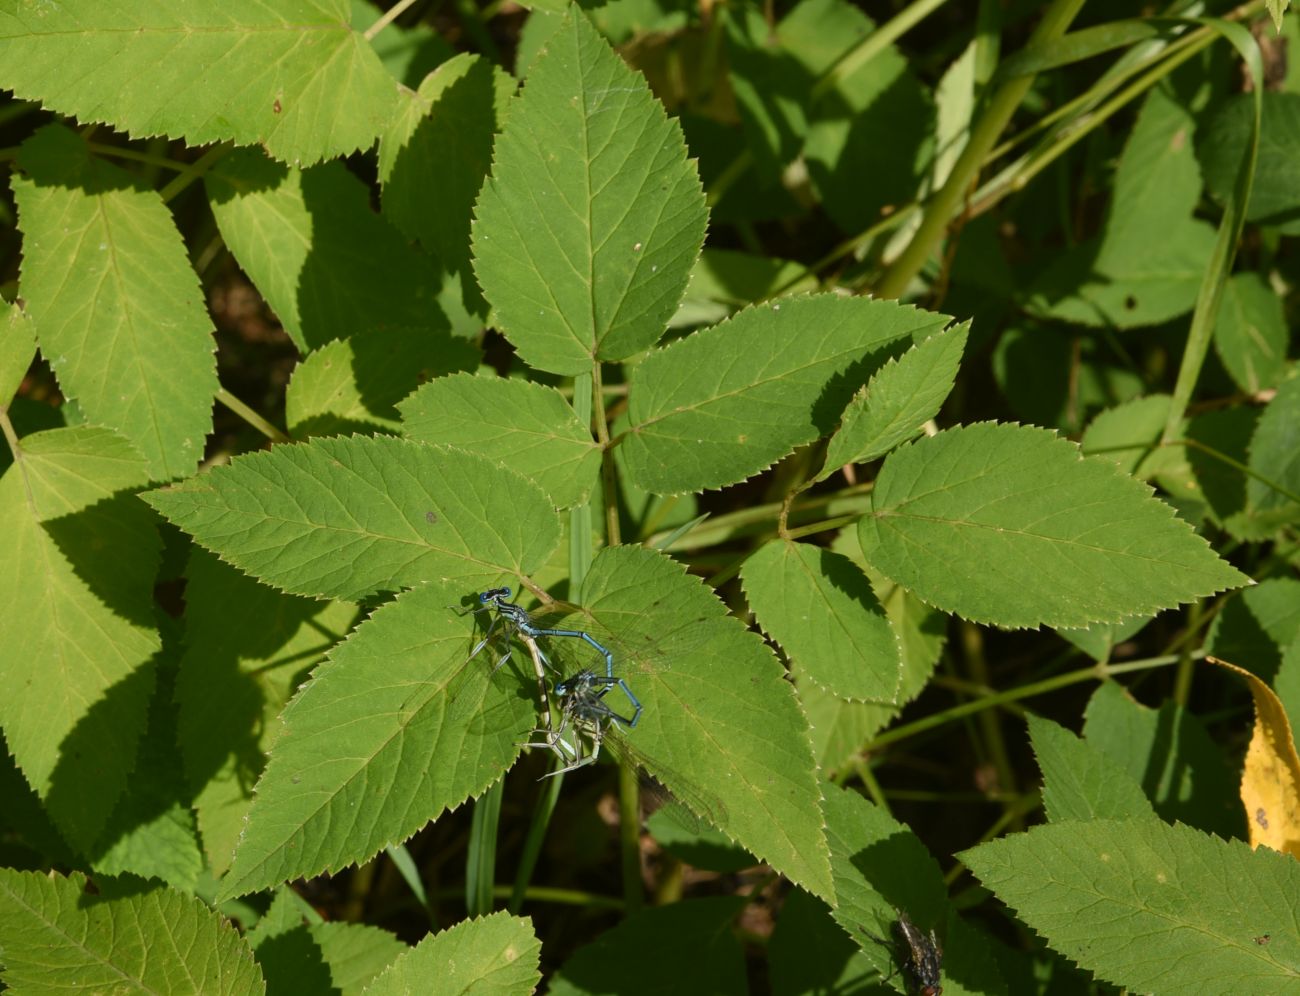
(920, 956)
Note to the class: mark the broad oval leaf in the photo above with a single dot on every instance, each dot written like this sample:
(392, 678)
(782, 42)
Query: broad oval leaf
(529, 427)
(726, 403)
(57, 937)
(902, 396)
(586, 231)
(118, 308)
(1009, 525)
(295, 79)
(496, 954)
(347, 517)
(717, 708)
(1113, 895)
(77, 568)
(327, 264)
(397, 726)
(820, 607)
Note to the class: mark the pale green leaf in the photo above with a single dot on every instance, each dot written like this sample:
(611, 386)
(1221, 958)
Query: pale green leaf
(495, 954)
(1152, 907)
(17, 350)
(725, 403)
(820, 608)
(119, 312)
(977, 520)
(396, 727)
(1273, 489)
(1079, 781)
(706, 956)
(901, 397)
(57, 937)
(435, 153)
(293, 78)
(329, 265)
(587, 229)
(354, 384)
(233, 683)
(1276, 8)
(77, 571)
(707, 685)
(528, 427)
(1251, 334)
(346, 517)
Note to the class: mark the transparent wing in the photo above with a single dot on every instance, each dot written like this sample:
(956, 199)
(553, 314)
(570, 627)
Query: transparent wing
(669, 786)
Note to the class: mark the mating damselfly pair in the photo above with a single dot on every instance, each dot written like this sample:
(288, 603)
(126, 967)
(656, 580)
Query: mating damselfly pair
(585, 716)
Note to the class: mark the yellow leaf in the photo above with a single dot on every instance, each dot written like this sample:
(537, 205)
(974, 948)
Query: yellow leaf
(1270, 781)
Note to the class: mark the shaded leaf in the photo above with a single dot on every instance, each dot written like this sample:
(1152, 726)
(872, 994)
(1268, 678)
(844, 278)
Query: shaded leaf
(346, 517)
(118, 309)
(329, 265)
(725, 403)
(80, 554)
(297, 80)
(586, 231)
(1251, 333)
(974, 519)
(820, 607)
(528, 427)
(1110, 894)
(1273, 197)
(1273, 490)
(56, 936)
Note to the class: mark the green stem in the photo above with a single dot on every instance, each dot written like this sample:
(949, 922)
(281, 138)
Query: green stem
(196, 171)
(480, 861)
(251, 417)
(872, 45)
(943, 206)
(533, 842)
(398, 9)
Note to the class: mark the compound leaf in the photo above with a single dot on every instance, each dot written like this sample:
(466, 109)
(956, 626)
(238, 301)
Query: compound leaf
(587, 229)
(527, 426)
(119, 311)
(725, 403)
(494, 954)
(293, 78)
(77, 570)
(53, 931)
(820, 607)
(1152, 907)
(978, 520)
(901, 397)
(395, 727)
(327, 264)
(347, 517)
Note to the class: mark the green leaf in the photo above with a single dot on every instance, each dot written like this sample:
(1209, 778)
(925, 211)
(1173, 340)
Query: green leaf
(17, 350)
(528, 427)
(77, 568)
(56, 937)
(720, 719)
(434, 155)
(707, 959)
(725, 403)
(1273, 490)
(495, 954)
(1251, 334)
(355, 953)
(347, 517)
(1151, 907)
(354, 384)
(118, 309)
(1079, 781)
(809, 953)
(976, 519)
(820, 608)
(1256, 624)
(725, 280)
(233, 683)
(1273, 197)
(1171, 754)
(901, 397)
(297, 81)
(394, 728)
(408, 53)
(1128, 435)
(329, 265)
(1276, 8)
(593, 216)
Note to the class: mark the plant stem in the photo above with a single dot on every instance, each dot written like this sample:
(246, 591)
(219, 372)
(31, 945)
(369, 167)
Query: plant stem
(251, 417)
(480, 861)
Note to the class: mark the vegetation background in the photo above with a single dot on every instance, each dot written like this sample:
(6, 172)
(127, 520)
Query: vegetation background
(901, 391)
